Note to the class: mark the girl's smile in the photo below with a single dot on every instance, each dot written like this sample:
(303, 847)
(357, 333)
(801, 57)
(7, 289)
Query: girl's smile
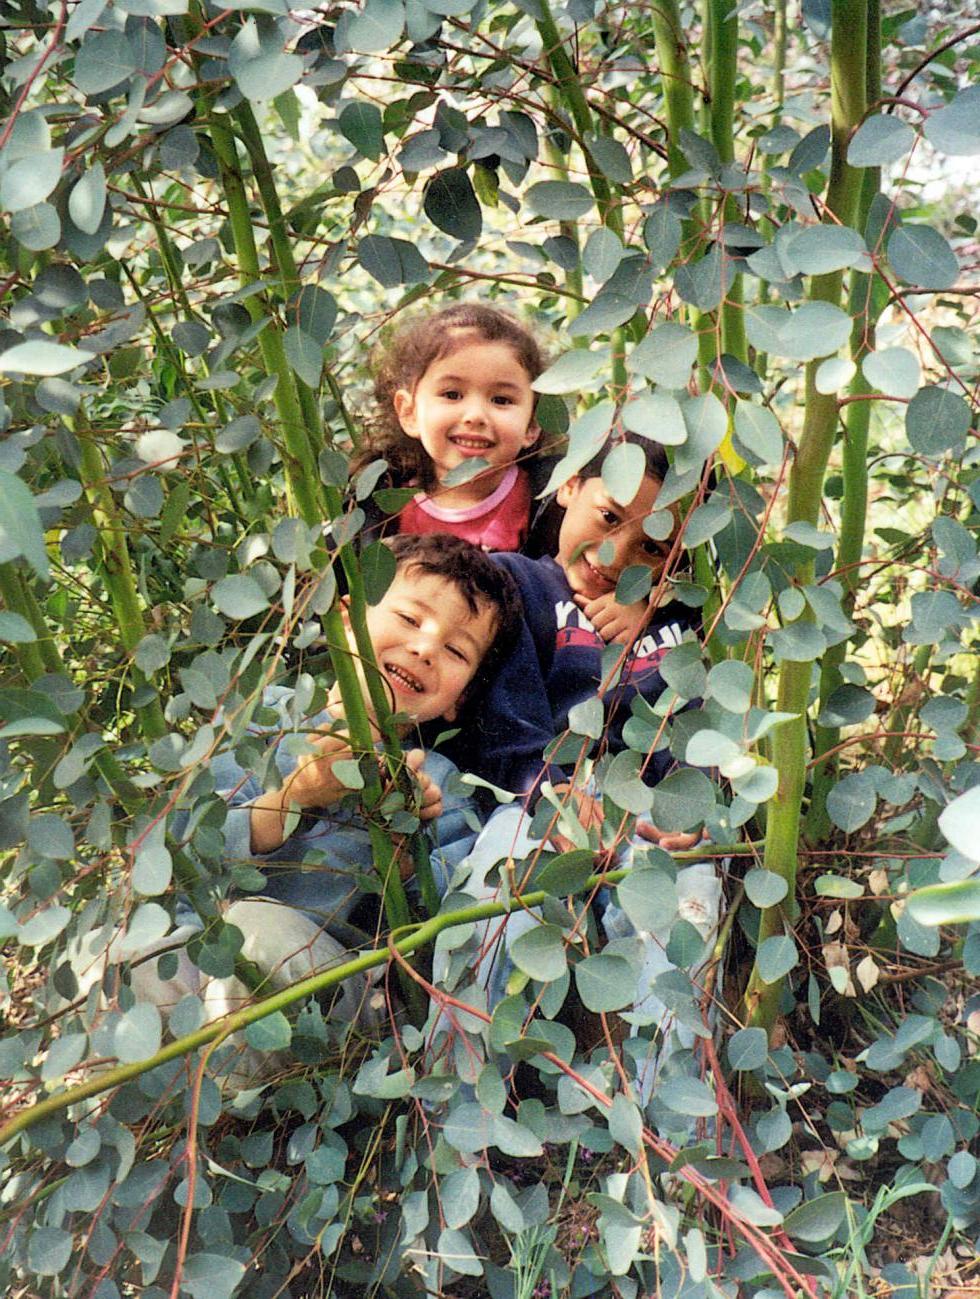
(474, 402)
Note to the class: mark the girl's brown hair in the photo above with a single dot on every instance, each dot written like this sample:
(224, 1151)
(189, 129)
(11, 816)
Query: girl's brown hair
(402, 360)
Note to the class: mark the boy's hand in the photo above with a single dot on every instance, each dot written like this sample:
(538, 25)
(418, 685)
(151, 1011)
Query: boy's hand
(429, 793)
(617, 624)
(670, 841)
(311, 784)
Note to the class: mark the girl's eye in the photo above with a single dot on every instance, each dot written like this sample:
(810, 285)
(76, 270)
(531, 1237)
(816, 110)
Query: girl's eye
(451, 394)
(407, 618)
(503, 401)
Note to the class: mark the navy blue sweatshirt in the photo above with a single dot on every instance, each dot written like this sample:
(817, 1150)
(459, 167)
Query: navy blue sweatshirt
(557, 663)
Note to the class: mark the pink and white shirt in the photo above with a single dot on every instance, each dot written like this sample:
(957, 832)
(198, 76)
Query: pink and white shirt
(498, 523)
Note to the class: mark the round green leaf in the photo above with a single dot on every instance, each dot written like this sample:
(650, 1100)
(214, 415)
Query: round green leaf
(211, 1276)
(138, 1033)
(852, 801)
(936, 420)
(622, 472)
(955, 129)
(86, 202)
(30, 180)
(103, 61)
(38, 357)
(758, 431)
(361, 124)
(540, 953)
(748, 1048)
(955, 903)
(775, 958)
(605, 982)
(893, 370)
(648, 895)
(239, 596)
(559, 200)
(880, 140)
(49, 1250)
(732, 684)
(920, 255)
(687, 1096)
(682, 800)
(656, 415)
(666, 355)
(765, 888)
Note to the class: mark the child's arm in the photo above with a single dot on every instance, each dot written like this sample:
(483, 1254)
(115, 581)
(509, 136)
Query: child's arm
(615, 623)
(311, 784)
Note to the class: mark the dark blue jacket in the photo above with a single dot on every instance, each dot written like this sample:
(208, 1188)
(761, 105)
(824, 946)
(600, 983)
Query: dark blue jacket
(556, 664)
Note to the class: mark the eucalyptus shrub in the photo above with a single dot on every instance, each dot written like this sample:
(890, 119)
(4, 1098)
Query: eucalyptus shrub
(726, 219)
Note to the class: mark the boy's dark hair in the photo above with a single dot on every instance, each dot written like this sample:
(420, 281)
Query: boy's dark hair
(402, 360)
(654, 454)
(479, 581)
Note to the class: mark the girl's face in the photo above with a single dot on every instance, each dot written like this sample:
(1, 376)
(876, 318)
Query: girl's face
(592, 517)
(474, 402)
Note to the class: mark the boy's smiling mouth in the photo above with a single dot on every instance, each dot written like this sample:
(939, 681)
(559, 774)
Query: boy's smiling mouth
(597, 576)
(403, 678)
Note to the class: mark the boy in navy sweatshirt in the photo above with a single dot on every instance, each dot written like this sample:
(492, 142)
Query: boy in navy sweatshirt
(561, 660)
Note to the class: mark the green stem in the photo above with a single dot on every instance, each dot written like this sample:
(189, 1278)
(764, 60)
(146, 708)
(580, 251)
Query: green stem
(675, 76)
(421, 935)
(35, 657)
(848, 105)
(299, 461)
(116, 569)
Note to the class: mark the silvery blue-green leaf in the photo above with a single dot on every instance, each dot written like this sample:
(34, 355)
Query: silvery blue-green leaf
(683, 670)
(505, 1209)
(920, 255)
(893, 370)
(937, 420)
(731, 683)
(708, 748)
(211, 1276)
(606, 313)
(756, 785)
(800, 642)
(623, 783)
(666, 355)
(649, 897)
(167, 109)
(392, 261)
(748, 1048)
(44, 926)
(49, 1250)
(852, 801)
(238, 435)
(15, 629)
(378, 26)
(602, 254)
(605, 982)
(776, 957)
(705, 521)
(610, 157)
(623, 471)
(65, 1053)
(268, 76)
(705, 282)
(83, 1148)
(559, 200)
(757, 431)
(50, 836)
(707, 424)
(515, 1139)
(82, 18)
(626, 1124)
(469, 1128)
(361, 124)
(149, 922)
(682, 801)
(751, 1207)
(103, 61)
(451, 204)
(587, 717)
(138, 1033)
(656, 415)
(897, 1103)
(272, 1033)
(239, 596)
(540, 953)
(572, 371)
(834, 374)
(962, 1169)
(765, 888)
(315, 312)
(817, 249)
(805, 534)
(960, 823)
(30, 180)
(687, 1096)
(86, 202)
(847, 706)
(955, 129)
(304, 354)
(880, 140)
(456, 1251)
(460, 1197)
(662, 235)
(791, 603)
(160, 446)
(421, 152)
(39, 357)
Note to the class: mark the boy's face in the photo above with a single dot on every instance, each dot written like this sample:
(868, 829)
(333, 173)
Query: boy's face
(428, 643)
(593, 517)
